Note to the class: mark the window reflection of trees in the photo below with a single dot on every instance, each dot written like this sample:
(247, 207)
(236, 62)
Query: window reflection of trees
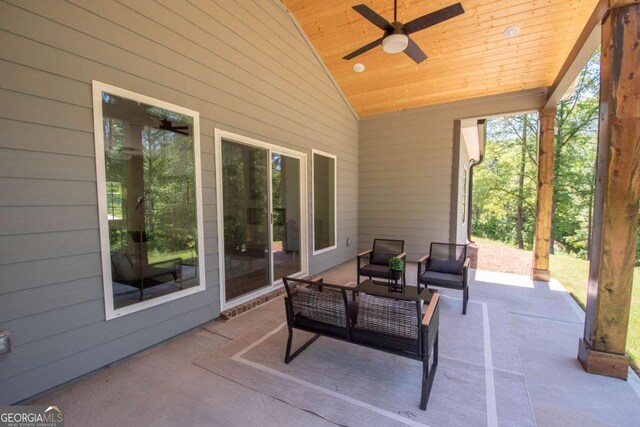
(151, 203)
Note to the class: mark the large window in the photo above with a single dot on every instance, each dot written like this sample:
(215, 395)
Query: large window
(148, 167)
(324, 202)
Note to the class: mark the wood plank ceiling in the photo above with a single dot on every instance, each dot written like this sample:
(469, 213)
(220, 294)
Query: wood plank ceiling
(468, 56)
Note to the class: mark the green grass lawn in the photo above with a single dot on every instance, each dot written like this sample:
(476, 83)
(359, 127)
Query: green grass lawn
(573, 273)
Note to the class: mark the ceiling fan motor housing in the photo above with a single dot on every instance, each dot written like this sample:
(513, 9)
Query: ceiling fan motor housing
(395, 41)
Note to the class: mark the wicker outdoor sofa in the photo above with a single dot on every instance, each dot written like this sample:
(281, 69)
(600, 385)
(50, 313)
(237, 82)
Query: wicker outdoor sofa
(382, 323)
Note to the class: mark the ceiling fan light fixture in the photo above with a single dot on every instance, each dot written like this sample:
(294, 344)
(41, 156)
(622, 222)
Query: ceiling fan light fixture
(395, 43)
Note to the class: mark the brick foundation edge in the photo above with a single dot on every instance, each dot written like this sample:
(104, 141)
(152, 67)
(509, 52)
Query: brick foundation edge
(255, 302)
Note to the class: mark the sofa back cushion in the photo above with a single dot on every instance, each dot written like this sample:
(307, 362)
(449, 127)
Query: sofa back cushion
(384, 250)
(388, 316)
(449, 267)
(327, 307)
(447, 257)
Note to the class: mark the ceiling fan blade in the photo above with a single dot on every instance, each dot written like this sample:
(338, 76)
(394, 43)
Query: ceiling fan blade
(414, 52)
(373, 17)
(364, 49)
(434, 18)
(166, 124)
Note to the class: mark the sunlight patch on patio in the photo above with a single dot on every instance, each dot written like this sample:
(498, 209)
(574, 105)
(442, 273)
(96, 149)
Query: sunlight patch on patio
(506, 279)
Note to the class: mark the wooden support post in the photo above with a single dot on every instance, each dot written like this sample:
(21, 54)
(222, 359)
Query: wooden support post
(544, 199)
(602, 349)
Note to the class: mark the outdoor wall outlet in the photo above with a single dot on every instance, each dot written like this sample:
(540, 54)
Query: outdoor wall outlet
(348, 241)
(5, 342)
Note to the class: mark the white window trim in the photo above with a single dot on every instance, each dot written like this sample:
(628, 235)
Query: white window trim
(219, 135)
(335, 202)
(110, 312)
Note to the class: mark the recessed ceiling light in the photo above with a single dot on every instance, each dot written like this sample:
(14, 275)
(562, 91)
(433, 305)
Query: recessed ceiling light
(358, 68)
(511, 31)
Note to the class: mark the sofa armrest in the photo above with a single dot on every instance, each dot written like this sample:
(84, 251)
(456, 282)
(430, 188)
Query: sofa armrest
(467, 262)
(431, 308)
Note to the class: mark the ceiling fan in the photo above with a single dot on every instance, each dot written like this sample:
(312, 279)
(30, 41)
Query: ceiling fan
(396, 35)
(165, 124)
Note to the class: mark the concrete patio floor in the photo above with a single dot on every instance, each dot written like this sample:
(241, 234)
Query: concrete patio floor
(163, 387)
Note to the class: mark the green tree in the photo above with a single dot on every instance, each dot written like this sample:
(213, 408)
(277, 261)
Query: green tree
(504, 189)
(574, 155)
(505, 186)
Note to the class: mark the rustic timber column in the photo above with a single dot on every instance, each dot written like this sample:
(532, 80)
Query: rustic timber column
(544, 199)
(602, 349)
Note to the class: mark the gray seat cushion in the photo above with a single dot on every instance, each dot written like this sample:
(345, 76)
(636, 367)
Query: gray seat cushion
(388, 316)
(441, 279)
(374, 270)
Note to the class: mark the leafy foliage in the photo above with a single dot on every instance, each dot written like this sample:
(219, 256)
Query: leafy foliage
(150, 186)
(574, 167)
(396, 263)
(505, 185)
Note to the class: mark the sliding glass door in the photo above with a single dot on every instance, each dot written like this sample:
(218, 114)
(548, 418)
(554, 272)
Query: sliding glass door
(245, 204)
(262, 217)
(286, 245)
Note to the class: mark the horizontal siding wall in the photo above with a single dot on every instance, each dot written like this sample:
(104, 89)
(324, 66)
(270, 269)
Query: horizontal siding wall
(243, 65)
(405, 169)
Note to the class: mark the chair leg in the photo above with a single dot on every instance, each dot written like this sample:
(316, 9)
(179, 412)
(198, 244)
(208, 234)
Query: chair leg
(435, 353)
(175, 279)
(424, 396)
(465, 298)
(288, 357)
(427, 377)
(287, 354)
